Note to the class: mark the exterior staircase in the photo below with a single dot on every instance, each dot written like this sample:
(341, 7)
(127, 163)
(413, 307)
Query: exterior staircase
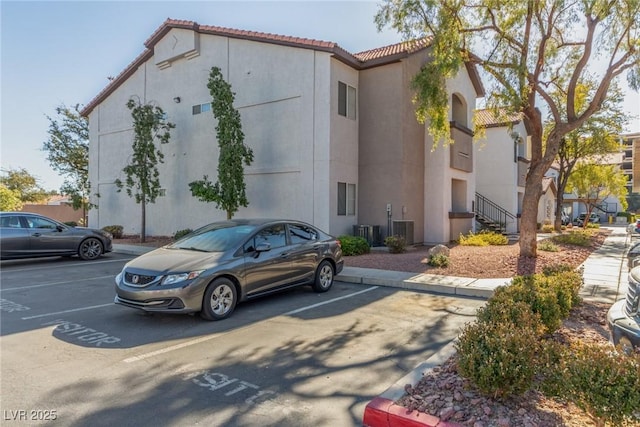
(493, 217)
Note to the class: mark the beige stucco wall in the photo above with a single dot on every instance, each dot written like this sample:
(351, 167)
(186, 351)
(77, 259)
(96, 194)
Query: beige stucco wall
(497, 169)
(282, 94)
(391, 165)
(439, 176)
(343, 147)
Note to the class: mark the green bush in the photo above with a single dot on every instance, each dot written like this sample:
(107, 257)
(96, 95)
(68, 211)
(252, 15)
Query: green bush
(181, 233)
(576, 238)
(353, 245)
(396, 244)
(71, 223)
(604, 384)
(593, 225)
(548, 246)
(550, 270)
(115, 230)
(483, 238)
(547, 228)
(540, 298)
(498, 358)
(515, 313)
(439, 260)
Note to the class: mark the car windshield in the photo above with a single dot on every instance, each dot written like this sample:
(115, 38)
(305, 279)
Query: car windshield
(214, 238)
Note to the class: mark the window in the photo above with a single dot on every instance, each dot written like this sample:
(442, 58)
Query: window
(11, 222)
(35, 222)
(274, 235)
(346, 100)
(346, 199)
(200, 108)
(301, 234)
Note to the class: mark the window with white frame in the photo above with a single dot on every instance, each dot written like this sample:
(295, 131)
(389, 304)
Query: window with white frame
(346, 199)
(346, 100)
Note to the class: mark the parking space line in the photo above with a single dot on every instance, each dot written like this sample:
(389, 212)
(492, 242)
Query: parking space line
(85, 263)
(207, 338)
(56, 283)
(67, 311)
(309, 307)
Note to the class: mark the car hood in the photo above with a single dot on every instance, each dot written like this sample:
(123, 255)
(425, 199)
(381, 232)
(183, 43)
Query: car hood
(175, 260)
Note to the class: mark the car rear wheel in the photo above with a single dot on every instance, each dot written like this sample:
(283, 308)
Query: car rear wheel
(324, 277)
(90, 249)
(219, 300)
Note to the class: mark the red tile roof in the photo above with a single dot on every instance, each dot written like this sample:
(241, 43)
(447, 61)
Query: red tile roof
(488, 118)
(359, 61)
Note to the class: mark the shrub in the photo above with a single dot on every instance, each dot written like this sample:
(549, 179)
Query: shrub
(483, 238)
(576, 238)
(353, 245)
(439, 260)
(499, 358)
(115, 230)
(540, 299)
(550, 270)
(548, 246)
(547, 228)
(605, 384)
(396, 244)
(181, 233)
(593, 225)
(515, 313)
(71, 223)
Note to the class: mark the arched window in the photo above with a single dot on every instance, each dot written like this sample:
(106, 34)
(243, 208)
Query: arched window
(459, 111)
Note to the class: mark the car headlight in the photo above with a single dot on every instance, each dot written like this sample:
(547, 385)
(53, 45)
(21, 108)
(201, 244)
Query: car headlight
(181, 277)
(107, 234)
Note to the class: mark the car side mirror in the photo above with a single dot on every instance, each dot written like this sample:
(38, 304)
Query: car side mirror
(60, 228)
(263, 247)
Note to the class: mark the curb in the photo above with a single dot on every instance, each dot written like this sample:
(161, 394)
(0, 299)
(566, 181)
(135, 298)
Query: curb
(382, 411)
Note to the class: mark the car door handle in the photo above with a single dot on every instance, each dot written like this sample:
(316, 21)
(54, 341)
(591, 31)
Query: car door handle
(284, 255)
(37, 234)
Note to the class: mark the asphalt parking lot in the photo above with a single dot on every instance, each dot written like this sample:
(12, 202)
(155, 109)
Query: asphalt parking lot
(69, 356)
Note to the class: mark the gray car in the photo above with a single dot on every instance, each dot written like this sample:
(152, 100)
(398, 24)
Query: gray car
(28, 235)
(213, 268)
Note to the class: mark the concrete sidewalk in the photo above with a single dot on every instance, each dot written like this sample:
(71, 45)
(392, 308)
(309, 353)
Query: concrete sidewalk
(605, 280)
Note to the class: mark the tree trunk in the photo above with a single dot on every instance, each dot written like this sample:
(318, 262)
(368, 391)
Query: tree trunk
(529, 219)
(143, 225)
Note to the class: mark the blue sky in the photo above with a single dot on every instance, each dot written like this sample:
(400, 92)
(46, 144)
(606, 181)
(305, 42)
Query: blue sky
(55, 52)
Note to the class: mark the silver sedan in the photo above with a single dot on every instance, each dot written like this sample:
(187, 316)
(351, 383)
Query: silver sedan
(215, 267)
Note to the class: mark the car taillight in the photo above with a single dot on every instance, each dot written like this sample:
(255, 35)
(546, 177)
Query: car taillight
(339, 243)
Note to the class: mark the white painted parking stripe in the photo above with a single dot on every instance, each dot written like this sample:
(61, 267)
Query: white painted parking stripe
(67, 311)
(309, 307)
(204, 339)
(56, 283)
(48, 267)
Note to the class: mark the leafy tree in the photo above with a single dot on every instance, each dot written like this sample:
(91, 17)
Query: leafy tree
(24, 184)
(229, 193)
(142, 181)
(594, 182)
(595, 139)
(68, 153)
(9, 199)
(527, 50)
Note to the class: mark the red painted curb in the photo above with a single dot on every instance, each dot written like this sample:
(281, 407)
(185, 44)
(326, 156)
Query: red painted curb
(381, 412)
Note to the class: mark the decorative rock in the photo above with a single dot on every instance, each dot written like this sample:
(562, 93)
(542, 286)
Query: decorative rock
(447, 413)
(438, 250)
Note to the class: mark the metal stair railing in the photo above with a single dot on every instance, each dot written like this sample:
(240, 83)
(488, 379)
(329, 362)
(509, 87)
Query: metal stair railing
(490, 212)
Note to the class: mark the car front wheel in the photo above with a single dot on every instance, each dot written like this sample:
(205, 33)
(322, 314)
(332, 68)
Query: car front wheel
(219, 300)
(90, 249)
(324, 277)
